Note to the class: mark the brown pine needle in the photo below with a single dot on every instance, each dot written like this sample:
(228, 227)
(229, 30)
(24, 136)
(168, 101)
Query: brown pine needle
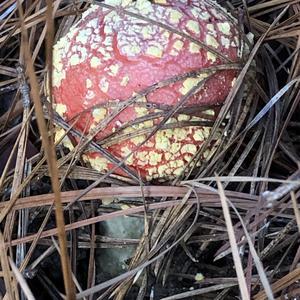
(51, 160)
(233, 244)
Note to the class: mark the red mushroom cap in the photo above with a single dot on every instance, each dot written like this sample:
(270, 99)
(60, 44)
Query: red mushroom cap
(109, 56)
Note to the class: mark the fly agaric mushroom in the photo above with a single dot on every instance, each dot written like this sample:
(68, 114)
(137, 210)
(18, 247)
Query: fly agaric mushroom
(111, 55)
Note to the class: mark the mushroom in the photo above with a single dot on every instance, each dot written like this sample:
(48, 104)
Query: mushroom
(112, 55)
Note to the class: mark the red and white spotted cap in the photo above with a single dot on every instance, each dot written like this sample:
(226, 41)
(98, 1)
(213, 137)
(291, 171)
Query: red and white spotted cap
(109, 56)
